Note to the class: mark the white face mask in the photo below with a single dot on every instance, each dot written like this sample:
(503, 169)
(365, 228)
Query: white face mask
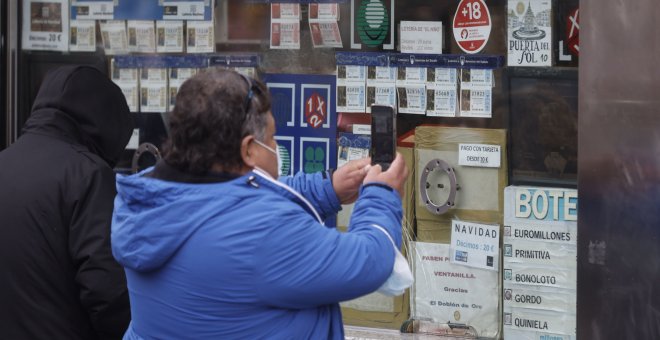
(277, 155)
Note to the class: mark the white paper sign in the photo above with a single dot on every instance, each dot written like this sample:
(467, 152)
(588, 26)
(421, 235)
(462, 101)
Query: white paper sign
(200, 38)
(183, 10)
(99, 10)
(82, 35)
(530, 33)
(45, 25)
(362, 129)
(538, 321)
(445, 292)
(169, 36)
(422, 37)
(475, 245)
(113, 33)
(141, 36)
(479, 155)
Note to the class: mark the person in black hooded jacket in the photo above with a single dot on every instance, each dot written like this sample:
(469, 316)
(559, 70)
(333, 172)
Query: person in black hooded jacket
(58, 279)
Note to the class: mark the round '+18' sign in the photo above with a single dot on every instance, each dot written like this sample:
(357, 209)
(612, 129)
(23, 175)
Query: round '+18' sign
(472, 25)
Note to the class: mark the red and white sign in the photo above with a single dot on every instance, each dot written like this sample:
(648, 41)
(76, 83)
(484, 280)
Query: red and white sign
(472, 25)
(573, 32)
(315, 110)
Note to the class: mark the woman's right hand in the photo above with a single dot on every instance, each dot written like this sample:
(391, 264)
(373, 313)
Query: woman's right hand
(394, 177)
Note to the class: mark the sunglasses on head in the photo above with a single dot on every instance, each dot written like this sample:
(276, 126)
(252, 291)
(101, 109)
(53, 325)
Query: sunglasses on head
(252, 88)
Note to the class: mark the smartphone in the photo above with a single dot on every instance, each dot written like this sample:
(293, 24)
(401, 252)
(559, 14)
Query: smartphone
(383, 135)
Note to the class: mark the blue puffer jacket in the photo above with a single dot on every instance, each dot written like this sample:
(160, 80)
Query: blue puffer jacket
(249, 257)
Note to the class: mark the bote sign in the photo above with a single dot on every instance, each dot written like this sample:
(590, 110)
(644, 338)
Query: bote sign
(472, 25)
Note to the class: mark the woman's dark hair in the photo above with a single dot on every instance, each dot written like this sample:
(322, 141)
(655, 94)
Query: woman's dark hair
(214, 110)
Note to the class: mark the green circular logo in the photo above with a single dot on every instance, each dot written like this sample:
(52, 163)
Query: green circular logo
(284, 161)
(372, 22)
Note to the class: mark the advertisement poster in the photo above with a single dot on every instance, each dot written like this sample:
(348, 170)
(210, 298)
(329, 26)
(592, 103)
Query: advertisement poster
(45, 25)
(472, 25)
(529, 26)
(200, 37)
(306, 121)
(540, 262)
(82, 36)
(169, 36)
(446, 292)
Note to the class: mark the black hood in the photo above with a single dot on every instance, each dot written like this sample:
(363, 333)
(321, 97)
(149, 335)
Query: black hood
(82, 104)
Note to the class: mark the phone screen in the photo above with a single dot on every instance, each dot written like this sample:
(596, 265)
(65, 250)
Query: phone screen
(383, 135)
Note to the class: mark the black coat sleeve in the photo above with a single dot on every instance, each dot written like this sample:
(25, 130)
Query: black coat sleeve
(101, 279)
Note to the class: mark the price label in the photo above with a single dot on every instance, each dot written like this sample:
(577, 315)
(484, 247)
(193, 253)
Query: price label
(45, 25)
(472, 25)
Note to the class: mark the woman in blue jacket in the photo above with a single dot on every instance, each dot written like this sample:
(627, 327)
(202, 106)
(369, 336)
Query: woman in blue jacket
(215, 247)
